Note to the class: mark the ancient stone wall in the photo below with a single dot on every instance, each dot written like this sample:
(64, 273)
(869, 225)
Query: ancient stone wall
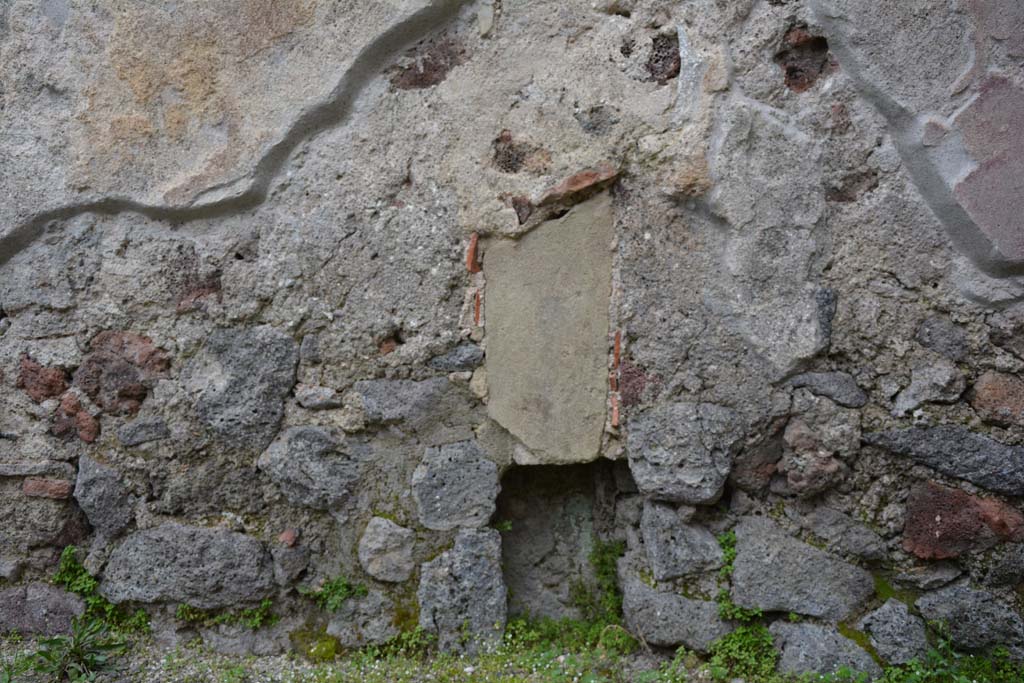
(434, 295)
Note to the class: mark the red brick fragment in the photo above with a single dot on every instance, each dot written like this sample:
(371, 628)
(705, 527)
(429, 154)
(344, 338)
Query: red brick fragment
(999, 398)
(579, 185)
(289, 537)
(615, 410)
(119, 369)
(39, 382)
(472, 257)
(58, 489)
(803, 59)
(72, 420)
(195, 292)
(943, 522)
(428, 63)
(632, 383)
(387, 345)
(523, 208)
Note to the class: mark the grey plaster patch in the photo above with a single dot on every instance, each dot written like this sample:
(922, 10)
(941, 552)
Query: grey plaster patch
(547, 333)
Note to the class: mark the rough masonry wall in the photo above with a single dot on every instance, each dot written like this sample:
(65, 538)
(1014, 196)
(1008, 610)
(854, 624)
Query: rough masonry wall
(294, 290)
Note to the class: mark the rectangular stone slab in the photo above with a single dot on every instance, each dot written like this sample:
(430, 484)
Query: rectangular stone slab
(547, 334)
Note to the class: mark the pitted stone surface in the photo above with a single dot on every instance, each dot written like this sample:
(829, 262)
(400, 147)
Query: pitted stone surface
(205, 568)
(821, 649)
(838, 386)
(665, 619)
(943, 522)
(934, 382)
(895, 633)
(776, 573)
(38, 609)
(103, 497)
(674, 547)
(362, 621)
(455, 485)
(385, 550)
(682, 452)
(462, 596)
(976, 619)
(959, 452)
(239, 381)
(547, 334)
(143, 430)
(314, 467)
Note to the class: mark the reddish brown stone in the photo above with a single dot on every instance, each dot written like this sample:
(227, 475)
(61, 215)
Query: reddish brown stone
(633, 382)
(993, 192)
(58, 489)
(754, 467)
(1002, 20)
(288, 537)
(195, 292)
(72, 420)
(664, 61)
(119, 370)
(580, 185)
(523, 208)
(999, 398)
(512, 156)
(87, 426)
(943, 522)
(39, 382)
(387, 345)
(428, 64)
(803, 59)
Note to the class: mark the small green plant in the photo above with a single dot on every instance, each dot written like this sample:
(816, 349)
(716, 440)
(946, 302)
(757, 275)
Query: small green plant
(677, 670)
(12, 669)
(88, 651)
(747, 652)
(730, 611)
(503, 525)
(76, 579)
(334, 592)
(190, 614)
(414, 643)
(944, 665)
(793, 618)
(253, 618)
(234, 674)
(727, 541)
